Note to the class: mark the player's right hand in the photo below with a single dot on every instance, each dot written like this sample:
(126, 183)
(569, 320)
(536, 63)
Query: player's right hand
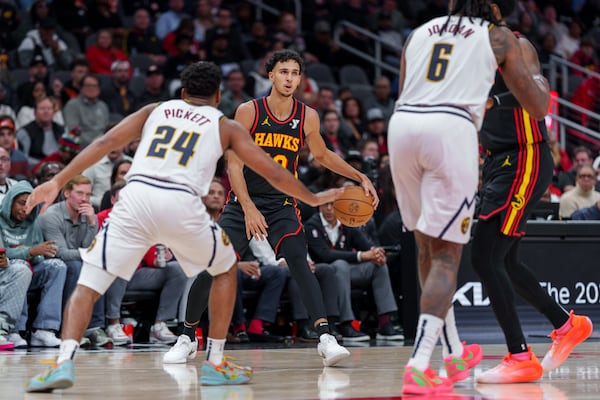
(327, 196)
(45, 193)
(256, 225)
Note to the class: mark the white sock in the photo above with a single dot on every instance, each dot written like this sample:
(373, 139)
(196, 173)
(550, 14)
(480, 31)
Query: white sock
(67, 350)
(428, 332)
(451, 344)
(214, 350)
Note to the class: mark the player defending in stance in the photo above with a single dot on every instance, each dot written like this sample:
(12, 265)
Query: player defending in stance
(516, 172)
(180, 144)
(281, 125)
(447, 69)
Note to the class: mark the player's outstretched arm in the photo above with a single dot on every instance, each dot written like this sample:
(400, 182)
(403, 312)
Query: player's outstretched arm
(330, 159)
(530, 88)
(236, 137)
(116, 138)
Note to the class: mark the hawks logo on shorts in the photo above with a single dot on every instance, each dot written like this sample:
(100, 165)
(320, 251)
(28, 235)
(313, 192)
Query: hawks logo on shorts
(464, 225)
(225, 238)
(518, 202)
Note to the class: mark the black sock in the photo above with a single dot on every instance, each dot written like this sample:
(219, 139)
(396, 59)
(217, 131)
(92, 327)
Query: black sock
(190, 329)
(322, 328)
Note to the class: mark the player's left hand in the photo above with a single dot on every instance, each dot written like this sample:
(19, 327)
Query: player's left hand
(327, 196)
(45, 193)
(367, 185)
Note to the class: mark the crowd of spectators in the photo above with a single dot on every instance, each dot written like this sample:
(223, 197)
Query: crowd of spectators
(68, 70)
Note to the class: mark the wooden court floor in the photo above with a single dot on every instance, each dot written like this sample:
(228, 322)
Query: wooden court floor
(373, 372)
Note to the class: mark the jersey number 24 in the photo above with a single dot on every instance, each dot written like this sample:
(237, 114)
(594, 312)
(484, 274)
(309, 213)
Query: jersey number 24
(184, 143)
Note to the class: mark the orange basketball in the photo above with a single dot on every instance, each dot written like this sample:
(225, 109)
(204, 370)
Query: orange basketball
(353, 208)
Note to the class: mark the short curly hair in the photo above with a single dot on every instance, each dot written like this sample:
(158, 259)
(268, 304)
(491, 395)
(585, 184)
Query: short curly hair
(283, 56)
(201, 79)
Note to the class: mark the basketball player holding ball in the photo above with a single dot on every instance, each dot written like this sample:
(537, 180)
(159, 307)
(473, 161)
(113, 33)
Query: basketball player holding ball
(281, 125)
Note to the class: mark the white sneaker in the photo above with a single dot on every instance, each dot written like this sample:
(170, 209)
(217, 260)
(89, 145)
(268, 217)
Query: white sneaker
(160, 333)
(17, 340)
(115, 332)
(44, 338)
(330, 350)
(182, 351)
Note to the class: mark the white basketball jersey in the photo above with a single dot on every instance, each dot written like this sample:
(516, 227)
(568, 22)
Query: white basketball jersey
(456, 67)
(181, 144)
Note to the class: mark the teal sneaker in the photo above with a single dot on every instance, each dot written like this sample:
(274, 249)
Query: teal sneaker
(225, 374)
(60, 376)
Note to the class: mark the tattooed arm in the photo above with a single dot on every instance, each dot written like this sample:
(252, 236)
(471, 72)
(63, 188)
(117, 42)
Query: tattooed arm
(521, 71)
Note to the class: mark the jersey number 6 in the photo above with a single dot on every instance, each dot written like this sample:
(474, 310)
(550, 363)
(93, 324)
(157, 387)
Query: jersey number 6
(438, 63)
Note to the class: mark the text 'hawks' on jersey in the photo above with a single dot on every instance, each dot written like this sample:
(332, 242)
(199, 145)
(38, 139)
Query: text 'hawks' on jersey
(282, 140)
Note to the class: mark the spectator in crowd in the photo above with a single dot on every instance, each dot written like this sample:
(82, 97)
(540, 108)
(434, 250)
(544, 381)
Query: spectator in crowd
(234, 94)
(382, 98)
(5, 182)
(73, 17)
(358, 263)
(259, 42)
(321, 45)
(186, 28)
(143, 40)
(15, 278)
(270, 280)
(567, 45)
(87, 111)
(583, 195)
(71, 88)
(376, 130)
(103, 14)
(69, 145)
(40, 137)
(21, 236)
(120, 169)
(585, 57)
(390, 38)
(332, 135)
(27, 111)
(550, 24)
(547, 49)
(224, 27)
(587, 213)
(37, 71)
(390, 8)
(19, 164)
(287, 32)
(204, 20)
(581, 156)
(46, 42)
(103, 53)
(38, 11)
(47, 172)
(170, 19)
(71, 224)
(352, 111)
(176, 64)
(154, 274)
(155, 90)
(100, 173)
(117, 95)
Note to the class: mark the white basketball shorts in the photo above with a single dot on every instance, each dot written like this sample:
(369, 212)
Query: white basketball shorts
(434, 161)
(147, 214)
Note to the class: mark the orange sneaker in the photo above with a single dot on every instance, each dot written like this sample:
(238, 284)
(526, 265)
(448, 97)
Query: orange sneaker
(424, 382)
(511, 370)
(457, 368)
(562, 345)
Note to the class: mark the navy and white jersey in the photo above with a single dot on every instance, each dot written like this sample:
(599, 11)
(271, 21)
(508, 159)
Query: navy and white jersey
(180, 144)
(460, 65)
